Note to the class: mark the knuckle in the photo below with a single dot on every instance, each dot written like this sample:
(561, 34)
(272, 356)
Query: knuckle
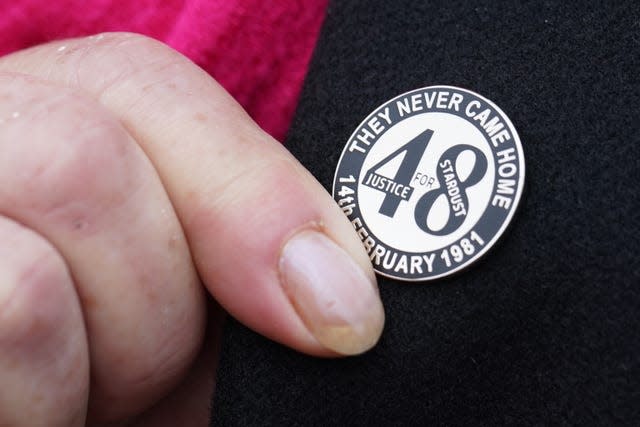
(42, 344)
(129, 42)
(64, 155)
(251, 179)
(36, 310)
(138, 73)
(269, 184)
(111, 59)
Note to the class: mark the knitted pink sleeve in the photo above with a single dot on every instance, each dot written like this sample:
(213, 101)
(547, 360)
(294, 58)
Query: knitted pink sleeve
(258, 50)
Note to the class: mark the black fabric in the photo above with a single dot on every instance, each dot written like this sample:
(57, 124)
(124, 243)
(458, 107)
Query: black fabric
(545, 329)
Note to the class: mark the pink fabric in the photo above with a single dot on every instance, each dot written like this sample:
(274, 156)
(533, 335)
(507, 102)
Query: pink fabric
(258, 50)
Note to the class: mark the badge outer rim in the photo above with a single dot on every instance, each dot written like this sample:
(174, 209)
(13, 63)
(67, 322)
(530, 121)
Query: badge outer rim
(517, 198)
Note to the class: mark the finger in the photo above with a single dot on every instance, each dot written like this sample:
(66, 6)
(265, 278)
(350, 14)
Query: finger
(268, 241)
(44, 362)
(70, 171)
(189, 404)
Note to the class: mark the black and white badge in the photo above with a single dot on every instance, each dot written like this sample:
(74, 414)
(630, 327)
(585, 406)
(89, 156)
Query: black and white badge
(430, 180)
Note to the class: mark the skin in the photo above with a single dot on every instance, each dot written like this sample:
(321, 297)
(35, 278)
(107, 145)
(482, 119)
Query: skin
(134, 191)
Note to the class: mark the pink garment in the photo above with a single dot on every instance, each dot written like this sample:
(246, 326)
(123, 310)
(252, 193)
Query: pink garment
(258, 50)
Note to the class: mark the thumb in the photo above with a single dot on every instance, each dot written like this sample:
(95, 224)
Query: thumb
(268, 241)
(287, 262)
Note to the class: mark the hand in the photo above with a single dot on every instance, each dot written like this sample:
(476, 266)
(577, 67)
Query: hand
(131, 185)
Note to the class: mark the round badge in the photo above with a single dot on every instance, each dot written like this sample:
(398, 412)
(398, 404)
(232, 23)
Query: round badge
(430, 180)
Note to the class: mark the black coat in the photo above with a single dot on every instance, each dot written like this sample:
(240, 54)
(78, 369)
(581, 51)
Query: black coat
(545, 329)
